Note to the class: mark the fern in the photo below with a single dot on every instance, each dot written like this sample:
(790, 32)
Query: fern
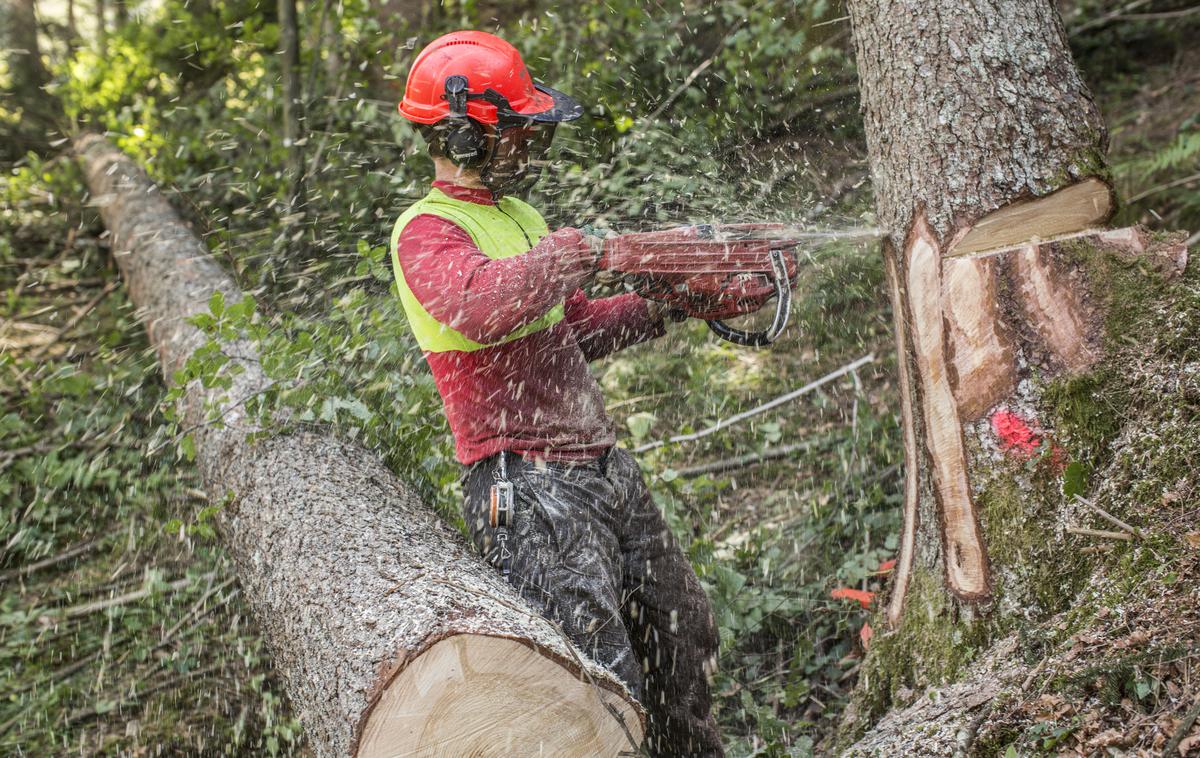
(1185, 148)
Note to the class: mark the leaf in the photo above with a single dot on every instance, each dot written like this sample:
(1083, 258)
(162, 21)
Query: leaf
(1074, 480)
(216, 303)
(772, 431)
(639, 424)
(1142, 688)
(188, 446)
(865, 634)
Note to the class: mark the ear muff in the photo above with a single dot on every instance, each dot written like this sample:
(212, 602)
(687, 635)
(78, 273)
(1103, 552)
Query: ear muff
(464, 143)
(464, 140)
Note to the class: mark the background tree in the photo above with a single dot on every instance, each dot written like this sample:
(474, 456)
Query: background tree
(102, 27)
(293, 104)
(72, 27)
(33, 117)
(759, 120)
(27, 73)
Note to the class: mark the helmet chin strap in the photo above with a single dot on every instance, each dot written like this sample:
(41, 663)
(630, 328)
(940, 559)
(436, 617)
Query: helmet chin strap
(504, 183)
(507, 185)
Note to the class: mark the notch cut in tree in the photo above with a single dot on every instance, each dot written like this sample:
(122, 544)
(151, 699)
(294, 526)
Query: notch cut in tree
(392, 636)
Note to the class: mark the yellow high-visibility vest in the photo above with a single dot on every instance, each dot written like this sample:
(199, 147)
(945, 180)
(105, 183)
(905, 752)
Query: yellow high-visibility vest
(509, 228)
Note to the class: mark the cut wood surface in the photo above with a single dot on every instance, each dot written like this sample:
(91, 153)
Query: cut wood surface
(965, 559)
(1055, 309)
(912, 494)
(1077, 206)
(982, 362)
(392, 636)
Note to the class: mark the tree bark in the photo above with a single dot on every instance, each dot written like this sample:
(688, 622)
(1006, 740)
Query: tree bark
(976, 120)
(20, 38)
(72, 28)
(391, 635)
(984, 143)
(39, 114)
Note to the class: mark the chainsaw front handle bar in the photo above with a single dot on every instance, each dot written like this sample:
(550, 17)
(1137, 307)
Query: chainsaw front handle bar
(783, 309)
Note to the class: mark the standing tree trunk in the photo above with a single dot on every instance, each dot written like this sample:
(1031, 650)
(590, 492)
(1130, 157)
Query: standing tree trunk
(18, 27)
(102, 28)
(72, 28)
(393, 637)
(39, 113)
(984, 142)
(331, 30)
(293, 107)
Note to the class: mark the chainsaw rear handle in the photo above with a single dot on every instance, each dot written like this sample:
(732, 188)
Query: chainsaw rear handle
(783, 309)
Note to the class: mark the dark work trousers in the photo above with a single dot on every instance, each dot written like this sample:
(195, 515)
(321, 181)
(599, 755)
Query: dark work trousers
(591, 551)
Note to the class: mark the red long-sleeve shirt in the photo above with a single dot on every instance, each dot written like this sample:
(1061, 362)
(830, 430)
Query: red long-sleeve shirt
(533, 395)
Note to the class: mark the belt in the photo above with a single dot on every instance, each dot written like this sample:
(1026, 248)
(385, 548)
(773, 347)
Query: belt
(520, 462)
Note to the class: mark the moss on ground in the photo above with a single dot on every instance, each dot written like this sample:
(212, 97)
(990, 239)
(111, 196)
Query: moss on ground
(1085, 413)
(932, 645)
(1032, 572)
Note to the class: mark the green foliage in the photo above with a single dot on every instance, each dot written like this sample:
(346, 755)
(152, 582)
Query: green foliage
(1184, 152)
(76, 467)
(1085, 413)
(1137, 67)
(769, 543)
(357, 370)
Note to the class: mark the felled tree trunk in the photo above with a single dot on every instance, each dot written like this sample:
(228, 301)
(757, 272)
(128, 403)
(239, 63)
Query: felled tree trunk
(393, 638)
(984, 143)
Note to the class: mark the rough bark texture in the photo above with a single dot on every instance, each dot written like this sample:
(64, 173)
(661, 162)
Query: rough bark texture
(944, 721)
(980, 133)
(350, 577)
(969, 106)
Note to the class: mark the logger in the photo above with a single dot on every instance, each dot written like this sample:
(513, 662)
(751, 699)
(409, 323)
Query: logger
(496, 302)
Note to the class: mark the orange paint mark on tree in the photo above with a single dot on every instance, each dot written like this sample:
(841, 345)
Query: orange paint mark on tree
(863, 597)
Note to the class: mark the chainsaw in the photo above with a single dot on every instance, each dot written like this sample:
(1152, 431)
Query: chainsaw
(712, 272)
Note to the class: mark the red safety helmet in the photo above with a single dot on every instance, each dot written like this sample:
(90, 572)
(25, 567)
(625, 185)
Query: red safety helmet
(498, 86)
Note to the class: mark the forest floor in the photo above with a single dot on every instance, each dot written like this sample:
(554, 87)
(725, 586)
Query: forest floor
(122, 630)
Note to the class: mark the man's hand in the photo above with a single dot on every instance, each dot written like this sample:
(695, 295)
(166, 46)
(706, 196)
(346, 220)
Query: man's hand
(578, 255)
